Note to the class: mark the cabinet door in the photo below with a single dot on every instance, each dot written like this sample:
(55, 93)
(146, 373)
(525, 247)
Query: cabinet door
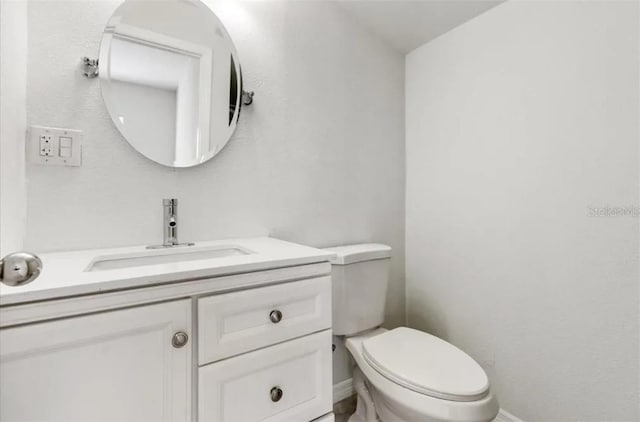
(111, 366)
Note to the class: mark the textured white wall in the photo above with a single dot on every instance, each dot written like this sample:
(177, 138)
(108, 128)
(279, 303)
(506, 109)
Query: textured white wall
(317, 159)
(13, 98)
(517, 122)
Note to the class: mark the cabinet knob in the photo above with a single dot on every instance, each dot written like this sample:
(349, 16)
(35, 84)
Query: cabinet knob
(275, 316)
(19, 268)
(179, 339)
(276, 394)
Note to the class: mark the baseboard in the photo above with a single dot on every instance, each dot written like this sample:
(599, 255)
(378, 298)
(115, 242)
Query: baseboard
(504, 416)
(343, 390)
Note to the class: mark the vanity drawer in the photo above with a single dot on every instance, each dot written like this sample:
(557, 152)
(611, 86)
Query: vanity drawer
(239, 322)
(288, 382)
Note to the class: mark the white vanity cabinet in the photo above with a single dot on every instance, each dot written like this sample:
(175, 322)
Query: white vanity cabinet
(251, 344)
(110, 366)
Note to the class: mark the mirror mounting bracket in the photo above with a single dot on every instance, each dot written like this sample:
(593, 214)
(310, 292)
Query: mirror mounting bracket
(90, 67)
(247, 97)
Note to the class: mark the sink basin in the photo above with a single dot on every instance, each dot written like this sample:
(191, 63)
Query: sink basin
(163, 256)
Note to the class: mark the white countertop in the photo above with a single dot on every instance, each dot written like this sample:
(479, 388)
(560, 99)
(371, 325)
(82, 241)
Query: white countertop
(64, 273)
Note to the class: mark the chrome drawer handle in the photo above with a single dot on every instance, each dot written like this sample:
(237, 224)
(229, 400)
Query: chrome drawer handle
(179, 339)
(276, 394)
(275, 316)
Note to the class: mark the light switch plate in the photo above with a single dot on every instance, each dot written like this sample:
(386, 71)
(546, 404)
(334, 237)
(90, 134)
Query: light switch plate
(52, 146)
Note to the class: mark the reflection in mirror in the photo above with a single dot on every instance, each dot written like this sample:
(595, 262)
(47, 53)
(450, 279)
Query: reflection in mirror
(170, 79)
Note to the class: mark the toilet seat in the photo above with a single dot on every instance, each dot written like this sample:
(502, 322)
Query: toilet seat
(426, 364)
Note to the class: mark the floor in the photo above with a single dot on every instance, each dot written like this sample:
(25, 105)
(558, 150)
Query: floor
(345, 408)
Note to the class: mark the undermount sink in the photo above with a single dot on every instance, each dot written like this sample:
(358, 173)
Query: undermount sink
(163, 256)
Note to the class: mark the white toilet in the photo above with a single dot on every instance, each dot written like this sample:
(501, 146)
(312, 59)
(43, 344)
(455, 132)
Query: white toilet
(402, 375)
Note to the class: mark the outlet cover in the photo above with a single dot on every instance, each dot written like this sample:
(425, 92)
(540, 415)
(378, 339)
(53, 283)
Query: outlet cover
(52, 146)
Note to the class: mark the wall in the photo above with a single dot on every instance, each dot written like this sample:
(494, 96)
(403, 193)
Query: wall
(13, 86)
(518, 123)
(317, 159)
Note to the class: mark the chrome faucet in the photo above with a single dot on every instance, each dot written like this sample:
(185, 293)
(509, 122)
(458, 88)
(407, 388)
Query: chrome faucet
(170, 226)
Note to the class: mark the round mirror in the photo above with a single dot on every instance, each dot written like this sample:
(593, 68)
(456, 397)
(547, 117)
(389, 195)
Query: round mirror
(171, 80)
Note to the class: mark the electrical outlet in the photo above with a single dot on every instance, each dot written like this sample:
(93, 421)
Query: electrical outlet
(55, 146)
(46, 145)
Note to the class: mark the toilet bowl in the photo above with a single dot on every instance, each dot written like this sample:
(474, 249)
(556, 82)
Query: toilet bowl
(401, 375)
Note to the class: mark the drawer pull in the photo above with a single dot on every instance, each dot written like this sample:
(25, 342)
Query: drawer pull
(179, 339)
(276, 394)
(275, 316)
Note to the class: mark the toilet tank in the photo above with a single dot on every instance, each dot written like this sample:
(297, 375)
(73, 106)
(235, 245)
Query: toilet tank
(359, 276)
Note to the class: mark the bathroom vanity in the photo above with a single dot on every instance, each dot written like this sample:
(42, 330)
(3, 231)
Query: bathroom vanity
(235, 330)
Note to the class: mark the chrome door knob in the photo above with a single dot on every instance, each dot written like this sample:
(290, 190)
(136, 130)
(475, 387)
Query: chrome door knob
(19, 268)
(180, 339)
(276, 394)
(275, 316)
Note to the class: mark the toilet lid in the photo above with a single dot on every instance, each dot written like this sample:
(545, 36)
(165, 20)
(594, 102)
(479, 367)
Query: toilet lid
(426, 364)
